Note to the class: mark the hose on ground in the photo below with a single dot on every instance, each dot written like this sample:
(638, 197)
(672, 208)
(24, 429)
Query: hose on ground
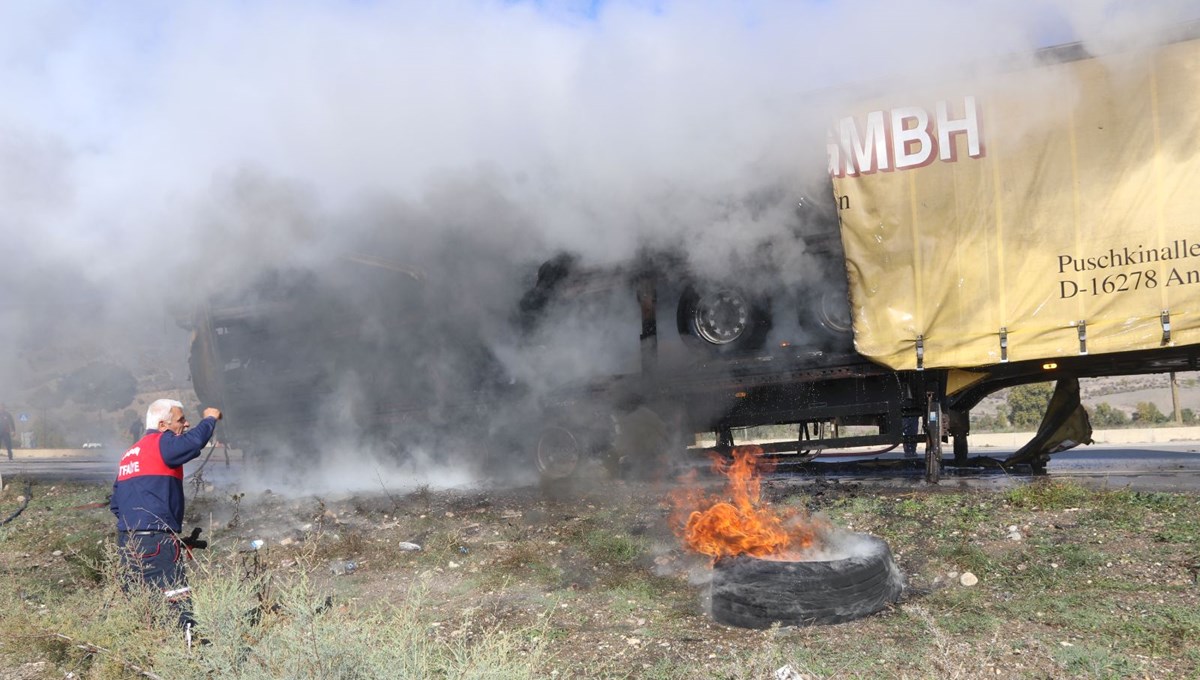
(24, 504)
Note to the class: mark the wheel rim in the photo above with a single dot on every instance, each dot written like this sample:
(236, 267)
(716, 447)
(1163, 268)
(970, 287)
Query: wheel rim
(721, 317)
(557, 453)
(835, 313)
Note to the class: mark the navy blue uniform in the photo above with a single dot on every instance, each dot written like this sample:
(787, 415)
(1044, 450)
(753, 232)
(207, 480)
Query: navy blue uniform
(148, 502)
(148, 493)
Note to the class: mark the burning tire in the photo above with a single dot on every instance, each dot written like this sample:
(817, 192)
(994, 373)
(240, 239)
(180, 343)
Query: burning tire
(749, 592)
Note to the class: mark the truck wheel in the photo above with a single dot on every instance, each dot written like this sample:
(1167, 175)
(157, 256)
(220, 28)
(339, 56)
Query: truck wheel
(755, 593)
(722, 319)
(832, 312)
(961, 452)
(556, 453)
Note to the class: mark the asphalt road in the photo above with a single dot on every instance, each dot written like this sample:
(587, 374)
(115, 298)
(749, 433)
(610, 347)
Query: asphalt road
(1171, 466)
(1150, 467)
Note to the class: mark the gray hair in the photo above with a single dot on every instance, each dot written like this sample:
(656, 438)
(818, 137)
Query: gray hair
(160, 410)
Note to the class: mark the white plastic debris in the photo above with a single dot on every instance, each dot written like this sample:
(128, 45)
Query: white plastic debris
(787, 673)
(408, 547)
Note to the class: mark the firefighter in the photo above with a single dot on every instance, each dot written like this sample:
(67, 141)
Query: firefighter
(7, 429)
(148, 501)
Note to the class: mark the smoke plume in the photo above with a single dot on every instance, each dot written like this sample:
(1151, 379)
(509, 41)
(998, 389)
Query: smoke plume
(153, 156)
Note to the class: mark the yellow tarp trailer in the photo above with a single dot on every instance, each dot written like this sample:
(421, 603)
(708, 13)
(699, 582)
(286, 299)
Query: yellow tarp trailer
(1030, 214)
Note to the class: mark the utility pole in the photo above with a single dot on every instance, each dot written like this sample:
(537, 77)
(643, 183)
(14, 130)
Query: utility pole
(1175, 399)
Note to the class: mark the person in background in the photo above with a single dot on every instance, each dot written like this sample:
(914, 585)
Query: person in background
(148, 500)
(136, 427)
(7, 429)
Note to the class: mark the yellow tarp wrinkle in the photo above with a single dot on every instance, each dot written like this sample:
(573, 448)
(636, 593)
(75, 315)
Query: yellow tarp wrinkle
(1093, 215)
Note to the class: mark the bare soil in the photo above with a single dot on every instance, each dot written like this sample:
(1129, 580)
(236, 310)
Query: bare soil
(595, 566)
(1071, 582)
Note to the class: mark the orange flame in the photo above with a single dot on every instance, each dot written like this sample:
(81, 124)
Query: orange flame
(741, 523)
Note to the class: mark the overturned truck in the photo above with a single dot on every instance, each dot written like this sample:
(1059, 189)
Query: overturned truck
(1022, 225)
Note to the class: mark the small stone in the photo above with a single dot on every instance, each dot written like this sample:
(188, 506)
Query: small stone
(57, 553)
(1064, 643)
(408, 547)
(342, 567)
(953, 574)
(453, 565)
(1054, 565)
(968, 579)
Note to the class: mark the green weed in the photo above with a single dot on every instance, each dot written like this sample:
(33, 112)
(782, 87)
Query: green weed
(1048, 495)
(612, 548)
(1096, 662)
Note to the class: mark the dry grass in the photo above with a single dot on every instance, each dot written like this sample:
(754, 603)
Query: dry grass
(515, 584)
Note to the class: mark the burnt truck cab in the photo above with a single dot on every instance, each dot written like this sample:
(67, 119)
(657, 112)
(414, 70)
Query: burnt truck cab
(355, 357)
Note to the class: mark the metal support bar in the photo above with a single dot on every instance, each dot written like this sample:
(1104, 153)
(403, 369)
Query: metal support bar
(933, 439)
(724, 438)
(815, 444)
(647, 296)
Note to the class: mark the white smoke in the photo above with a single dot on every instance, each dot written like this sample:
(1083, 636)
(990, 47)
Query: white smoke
(151, 153)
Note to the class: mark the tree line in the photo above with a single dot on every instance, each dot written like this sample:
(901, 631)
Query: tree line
(1026, 404)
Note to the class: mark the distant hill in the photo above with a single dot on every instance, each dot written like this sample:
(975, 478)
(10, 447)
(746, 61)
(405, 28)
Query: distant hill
(1122, 392)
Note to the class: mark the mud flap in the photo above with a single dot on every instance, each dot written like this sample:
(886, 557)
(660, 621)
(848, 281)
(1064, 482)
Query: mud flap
(1065, 426)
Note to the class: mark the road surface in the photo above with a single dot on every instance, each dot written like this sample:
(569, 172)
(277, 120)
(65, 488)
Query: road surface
(1173, 466)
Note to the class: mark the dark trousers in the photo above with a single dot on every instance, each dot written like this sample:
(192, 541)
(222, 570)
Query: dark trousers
(156, 560)
(6, 442)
